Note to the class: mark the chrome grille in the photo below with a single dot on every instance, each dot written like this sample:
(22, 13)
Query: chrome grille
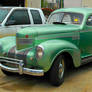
(24, 41)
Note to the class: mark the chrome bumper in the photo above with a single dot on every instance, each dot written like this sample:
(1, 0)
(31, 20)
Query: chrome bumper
(20, 69)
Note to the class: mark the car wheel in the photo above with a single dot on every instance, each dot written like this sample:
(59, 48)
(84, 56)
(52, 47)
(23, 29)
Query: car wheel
(57, 71)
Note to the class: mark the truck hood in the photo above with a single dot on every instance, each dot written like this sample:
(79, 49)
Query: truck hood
(46, 29)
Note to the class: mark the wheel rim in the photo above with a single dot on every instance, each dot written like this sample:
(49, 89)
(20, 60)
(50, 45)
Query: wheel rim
(61, 69)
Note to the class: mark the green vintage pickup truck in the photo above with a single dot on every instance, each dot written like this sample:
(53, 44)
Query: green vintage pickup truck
(65, 41)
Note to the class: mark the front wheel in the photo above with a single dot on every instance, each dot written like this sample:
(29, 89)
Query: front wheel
(57, 71)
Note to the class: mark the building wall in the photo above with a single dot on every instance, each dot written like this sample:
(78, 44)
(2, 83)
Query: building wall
(72, 3)
(33, 3)
(37, 3)
(67, 3)
(87, 3)
(77, 3)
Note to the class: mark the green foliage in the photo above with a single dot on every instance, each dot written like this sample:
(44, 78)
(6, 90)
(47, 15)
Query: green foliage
(47, 11)
(44, 3)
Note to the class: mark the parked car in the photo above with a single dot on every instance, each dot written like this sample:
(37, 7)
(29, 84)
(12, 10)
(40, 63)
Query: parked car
(65, 42)
(14, 18)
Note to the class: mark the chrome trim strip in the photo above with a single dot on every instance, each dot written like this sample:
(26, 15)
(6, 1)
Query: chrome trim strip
(71, 35)
(20, 69)
(11, 59)
(77, 37)
(33, 72)
(8, 68)
(1, 60)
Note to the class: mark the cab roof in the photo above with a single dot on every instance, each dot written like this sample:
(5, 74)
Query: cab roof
(76, 10)
(18, 7)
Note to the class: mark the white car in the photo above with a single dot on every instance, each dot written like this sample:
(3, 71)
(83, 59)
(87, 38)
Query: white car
(14, 18)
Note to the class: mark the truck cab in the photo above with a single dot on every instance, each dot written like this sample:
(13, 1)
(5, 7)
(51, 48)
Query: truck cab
(14, 18)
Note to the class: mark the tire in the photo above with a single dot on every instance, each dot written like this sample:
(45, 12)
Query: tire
(8, 73)
(57, 71)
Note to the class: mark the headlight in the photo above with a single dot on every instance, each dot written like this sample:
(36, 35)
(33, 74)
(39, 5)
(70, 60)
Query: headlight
(39, 52)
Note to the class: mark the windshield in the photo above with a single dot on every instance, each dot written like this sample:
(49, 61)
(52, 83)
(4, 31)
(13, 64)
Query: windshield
(3, 13)
(66, 18)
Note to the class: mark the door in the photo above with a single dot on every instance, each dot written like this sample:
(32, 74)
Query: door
(17, 20)
(86, 39)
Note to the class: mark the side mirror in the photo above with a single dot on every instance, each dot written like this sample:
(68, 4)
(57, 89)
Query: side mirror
(10, 22)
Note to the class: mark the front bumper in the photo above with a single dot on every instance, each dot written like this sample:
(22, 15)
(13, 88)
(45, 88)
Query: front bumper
(20, 69)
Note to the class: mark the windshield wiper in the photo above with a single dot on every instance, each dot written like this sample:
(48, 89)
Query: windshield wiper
(59, 23)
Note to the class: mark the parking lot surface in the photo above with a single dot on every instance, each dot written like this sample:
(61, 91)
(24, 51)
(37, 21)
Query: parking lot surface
(76, 80)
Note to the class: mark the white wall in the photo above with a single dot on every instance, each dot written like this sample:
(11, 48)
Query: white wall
(51, 1)
(87, 3)
(72, 3)
(34, 3)
(67, 3)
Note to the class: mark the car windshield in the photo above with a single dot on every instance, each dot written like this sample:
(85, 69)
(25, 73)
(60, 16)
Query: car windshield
(66, 18)
(3, 13)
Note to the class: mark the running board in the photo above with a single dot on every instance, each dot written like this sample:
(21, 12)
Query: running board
(86, 60)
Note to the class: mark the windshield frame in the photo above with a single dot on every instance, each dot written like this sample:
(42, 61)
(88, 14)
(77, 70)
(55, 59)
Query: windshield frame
(63, 16)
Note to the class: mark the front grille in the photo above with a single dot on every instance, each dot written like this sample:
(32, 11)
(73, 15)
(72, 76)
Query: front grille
(10, 62)
(24, 41)
(19, 55)
(11, 53)
(10, 65)
(22, 56)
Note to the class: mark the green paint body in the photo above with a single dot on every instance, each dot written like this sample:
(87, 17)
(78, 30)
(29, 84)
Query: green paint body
(55, 39)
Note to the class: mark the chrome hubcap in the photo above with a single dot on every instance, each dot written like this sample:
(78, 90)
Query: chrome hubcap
(61, 69)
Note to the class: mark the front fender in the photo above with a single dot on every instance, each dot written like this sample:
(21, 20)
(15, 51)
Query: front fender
(53, 48)
(7, 43)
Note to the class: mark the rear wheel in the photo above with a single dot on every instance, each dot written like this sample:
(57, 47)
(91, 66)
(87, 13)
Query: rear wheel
(57, 71)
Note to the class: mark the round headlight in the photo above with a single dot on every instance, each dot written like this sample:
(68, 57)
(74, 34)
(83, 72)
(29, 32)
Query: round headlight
(39, 52)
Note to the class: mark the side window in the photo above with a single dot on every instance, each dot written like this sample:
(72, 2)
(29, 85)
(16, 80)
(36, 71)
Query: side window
(19, 17)
(55, 18)
(36, 17)
(89, 21)
(67, 19)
